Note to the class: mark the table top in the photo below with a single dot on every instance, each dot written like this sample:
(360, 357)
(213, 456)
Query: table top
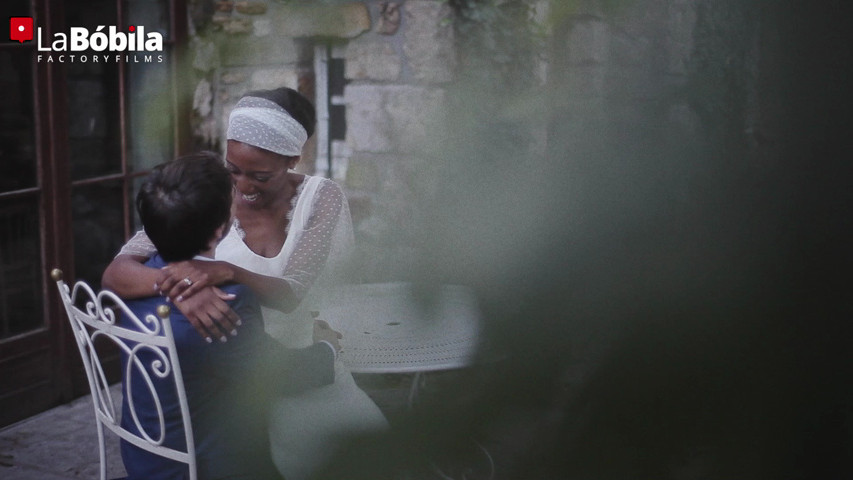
(388, 328)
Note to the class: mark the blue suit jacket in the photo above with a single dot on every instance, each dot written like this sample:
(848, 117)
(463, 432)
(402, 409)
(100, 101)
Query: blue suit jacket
(229, 387)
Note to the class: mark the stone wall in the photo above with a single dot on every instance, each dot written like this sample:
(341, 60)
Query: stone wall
(396, 82)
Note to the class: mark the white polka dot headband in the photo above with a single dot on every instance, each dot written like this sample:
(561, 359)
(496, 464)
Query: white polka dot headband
(265, 124)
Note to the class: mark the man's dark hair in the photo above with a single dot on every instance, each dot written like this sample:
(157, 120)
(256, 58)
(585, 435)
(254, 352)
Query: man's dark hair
(183, 202)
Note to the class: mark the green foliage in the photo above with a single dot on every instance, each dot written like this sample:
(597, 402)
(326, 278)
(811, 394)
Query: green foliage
(498, 39)
(723, 67)
(560, 10)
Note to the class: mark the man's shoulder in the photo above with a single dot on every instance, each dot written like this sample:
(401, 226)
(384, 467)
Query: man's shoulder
(156, 261)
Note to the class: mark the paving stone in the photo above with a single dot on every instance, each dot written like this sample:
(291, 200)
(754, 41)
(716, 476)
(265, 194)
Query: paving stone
(26, 473)
(62, 443)
(60, 424)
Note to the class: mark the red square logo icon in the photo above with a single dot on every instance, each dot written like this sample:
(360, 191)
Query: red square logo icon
(21, 29)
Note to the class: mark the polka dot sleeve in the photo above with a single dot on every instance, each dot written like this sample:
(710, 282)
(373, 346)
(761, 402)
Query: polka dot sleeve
(313, 245)
(139, 245)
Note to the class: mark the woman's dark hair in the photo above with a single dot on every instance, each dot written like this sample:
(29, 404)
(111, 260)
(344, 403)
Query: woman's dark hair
(299, 107)
(183, 202)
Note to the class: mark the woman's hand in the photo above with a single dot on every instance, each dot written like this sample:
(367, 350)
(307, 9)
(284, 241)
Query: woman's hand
(324, 332)
(209, 313)
(182, 280)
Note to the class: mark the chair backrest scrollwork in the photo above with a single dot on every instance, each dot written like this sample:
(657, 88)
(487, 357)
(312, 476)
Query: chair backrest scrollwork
(149, 346)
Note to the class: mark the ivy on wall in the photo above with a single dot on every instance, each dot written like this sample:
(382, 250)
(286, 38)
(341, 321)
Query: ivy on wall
(498, 40)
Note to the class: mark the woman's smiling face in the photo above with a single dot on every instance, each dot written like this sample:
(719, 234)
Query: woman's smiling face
(260, 176)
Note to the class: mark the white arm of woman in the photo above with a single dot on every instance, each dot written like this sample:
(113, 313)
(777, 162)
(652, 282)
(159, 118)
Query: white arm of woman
(126, 275)
(314, 240)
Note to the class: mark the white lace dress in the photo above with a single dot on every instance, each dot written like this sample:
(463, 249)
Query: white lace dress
(305, 429)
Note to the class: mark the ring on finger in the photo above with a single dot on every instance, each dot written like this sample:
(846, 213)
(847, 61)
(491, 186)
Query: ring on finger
(188, 281)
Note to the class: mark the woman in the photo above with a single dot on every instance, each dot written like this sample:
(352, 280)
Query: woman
(289, 231)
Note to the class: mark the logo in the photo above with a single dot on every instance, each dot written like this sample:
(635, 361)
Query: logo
(104, 44)
(80, 39)
(21, 29)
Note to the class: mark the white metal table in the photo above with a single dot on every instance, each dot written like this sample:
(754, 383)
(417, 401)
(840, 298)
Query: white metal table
(388, 329)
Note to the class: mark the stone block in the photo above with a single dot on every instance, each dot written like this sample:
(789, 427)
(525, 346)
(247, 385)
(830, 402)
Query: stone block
(371, 58)
(428, 42)
(343, 20)
(390, 118)
(237, 51)
(232, 78)
(262, 27)
(205, 55)
(389, 18)
(368, 126)
(220, 18)
(251, 8)
(360, 205)
(223, 6)
(237, 26)
(268, 78)
(410, 111)
(362, 173)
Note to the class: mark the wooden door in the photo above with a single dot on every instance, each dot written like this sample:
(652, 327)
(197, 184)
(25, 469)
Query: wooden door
(72, 148)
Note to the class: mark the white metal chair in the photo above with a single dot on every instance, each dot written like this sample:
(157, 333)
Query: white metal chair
(152, 334)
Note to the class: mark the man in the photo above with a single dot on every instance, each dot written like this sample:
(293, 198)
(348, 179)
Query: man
(185, 209)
